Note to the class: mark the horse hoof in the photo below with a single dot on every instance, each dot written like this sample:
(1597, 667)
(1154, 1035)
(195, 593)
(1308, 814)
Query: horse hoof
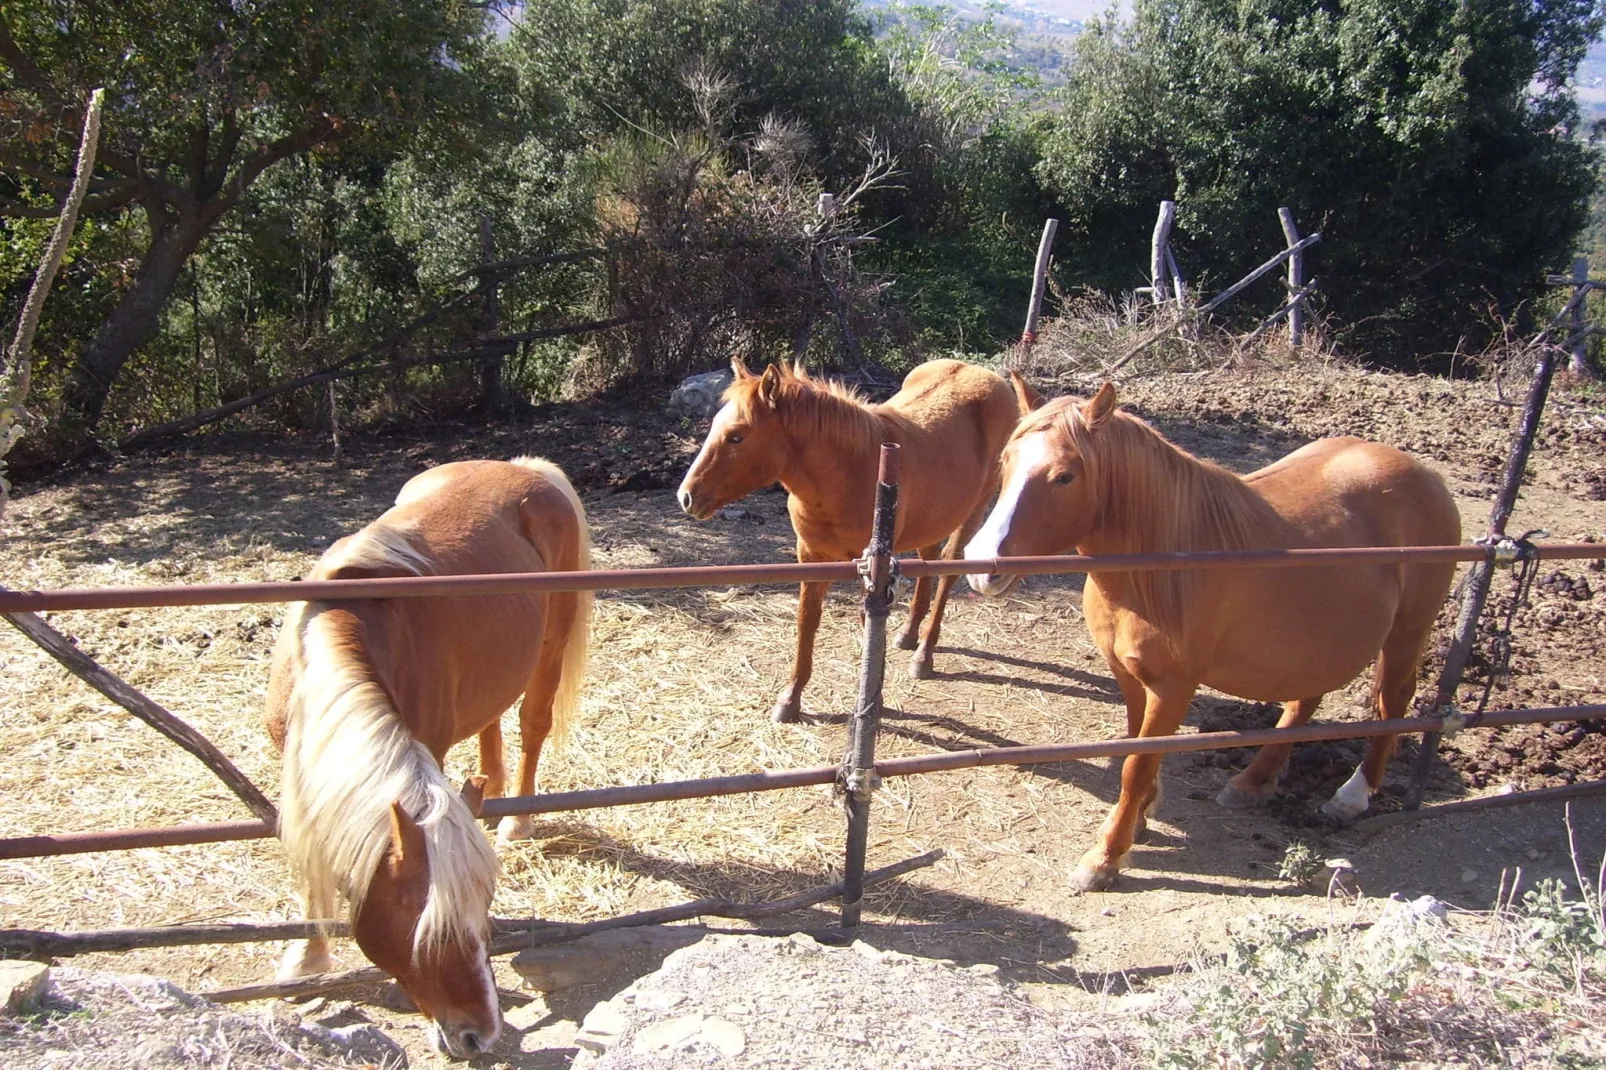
(788, 711)
(907, 640)
(515, 827)
(1343, 811)
(920, 667)
(1232, 797)
(301, 961)
(1088, 879)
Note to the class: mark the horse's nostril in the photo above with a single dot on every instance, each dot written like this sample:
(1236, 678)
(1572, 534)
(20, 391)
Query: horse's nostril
(684, 497)
(471, 1041)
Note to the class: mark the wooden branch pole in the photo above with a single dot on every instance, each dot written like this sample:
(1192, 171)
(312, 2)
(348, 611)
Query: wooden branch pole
(1158, 245)
(121, 692)
(1237, 287)
(1179, 285)
(1482, 573)
(858, 779)
(1296, 301)
(1034, 306)
(1373, 825)
(1578, 344)
(539, 934)
(490, 320)
(1296, 279)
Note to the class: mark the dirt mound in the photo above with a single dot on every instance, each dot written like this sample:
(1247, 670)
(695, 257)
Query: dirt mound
(89, 1020)
(768, 1002)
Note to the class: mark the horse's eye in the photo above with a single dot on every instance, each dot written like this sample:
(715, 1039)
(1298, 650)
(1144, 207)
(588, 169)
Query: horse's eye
(1064, 478)
(733, 439)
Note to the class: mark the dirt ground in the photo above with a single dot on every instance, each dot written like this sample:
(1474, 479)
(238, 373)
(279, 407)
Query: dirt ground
(682, 682)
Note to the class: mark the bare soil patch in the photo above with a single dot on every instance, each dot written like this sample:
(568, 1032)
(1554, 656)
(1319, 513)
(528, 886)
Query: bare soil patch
(682, 681)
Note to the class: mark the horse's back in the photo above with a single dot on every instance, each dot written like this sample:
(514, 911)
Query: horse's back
(955, 404)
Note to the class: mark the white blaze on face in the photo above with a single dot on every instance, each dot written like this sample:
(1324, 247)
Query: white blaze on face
(716, 433)
(1031, 455)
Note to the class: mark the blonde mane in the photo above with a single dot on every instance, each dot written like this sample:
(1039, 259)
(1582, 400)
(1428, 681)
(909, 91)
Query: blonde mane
(1154, 497)
(348, 755)
(823, 410)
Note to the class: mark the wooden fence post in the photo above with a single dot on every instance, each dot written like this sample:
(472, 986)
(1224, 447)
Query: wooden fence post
(1157, 252)
(1575, 363)
(1296, 279)
(1034, 305)
(490, 321)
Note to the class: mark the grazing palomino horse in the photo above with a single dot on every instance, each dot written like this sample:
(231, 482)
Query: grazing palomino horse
(1091, 477)
(366, 697)
(821, 441)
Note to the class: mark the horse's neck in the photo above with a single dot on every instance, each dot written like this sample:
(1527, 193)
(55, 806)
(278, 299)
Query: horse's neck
(834, 447)
(1168, 500)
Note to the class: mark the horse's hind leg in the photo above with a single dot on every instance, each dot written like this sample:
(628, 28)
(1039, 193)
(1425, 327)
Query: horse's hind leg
(493, 762)
(1393, 686)
(536, 711)
(1258, 781)
(909, 638)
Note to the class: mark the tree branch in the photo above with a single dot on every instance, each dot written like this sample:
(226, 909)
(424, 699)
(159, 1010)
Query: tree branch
(27, 72)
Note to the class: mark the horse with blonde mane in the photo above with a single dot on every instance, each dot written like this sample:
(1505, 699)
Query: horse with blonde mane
(365, 697)
(1088, 476)
(820, 440)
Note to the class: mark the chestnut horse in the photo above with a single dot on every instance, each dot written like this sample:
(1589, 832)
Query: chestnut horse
(1097, 479)
(821, 441)
(366, 697)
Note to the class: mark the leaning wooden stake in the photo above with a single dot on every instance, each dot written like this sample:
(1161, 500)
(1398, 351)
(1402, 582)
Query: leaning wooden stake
(858, 779)
(540, 935)
(1296, 280)
(1034, 307)
(1373, 825)
(1482, 573)
(125, 695)
(1159, 242)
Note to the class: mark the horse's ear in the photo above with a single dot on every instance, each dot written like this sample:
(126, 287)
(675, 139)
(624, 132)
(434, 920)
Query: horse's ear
(769, 387)
(1026, 398)
(407, 850)
(739, 368)
(1098, 410)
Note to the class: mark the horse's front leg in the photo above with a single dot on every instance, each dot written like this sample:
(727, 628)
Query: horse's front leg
(1258, 781)
(306, 957)
(810, 601)
(1139, 791)
(909, 637)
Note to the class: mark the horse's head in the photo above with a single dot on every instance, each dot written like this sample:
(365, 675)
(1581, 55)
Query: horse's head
(746, 445)
(444, 967)
(1048, 502)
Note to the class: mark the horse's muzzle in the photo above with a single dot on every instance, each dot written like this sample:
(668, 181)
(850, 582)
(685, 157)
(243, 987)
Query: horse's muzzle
(991, 585)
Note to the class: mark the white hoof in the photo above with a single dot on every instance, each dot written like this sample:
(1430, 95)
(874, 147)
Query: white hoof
(1351, 800)
(515, 827)
(304, 960)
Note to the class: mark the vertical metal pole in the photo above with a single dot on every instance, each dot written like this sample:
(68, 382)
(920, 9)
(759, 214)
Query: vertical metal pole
(1477, 592)
(857, 780)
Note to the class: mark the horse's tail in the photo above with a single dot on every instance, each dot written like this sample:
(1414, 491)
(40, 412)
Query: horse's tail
(576, 652)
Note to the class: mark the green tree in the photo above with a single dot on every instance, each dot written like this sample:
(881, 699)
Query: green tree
(1433, 142)
(204, 97)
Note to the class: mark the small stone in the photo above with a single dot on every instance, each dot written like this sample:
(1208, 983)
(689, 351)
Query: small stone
(1533, 854)
(732, 512)
(368, 1042)
(1468, 876)
(601, 1028)
(1108, 912)
(547, 969)
(666, 1034)
(727, 1038)
(983, 969)
(21, 984)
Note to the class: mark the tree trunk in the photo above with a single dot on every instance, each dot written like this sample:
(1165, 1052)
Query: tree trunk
(134, 320)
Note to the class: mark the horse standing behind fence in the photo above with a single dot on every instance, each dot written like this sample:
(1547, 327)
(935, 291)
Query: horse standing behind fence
(1094, 478)
(366, 697)
(821, 440)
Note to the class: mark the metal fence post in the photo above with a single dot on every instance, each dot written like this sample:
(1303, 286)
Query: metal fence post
(858, 780)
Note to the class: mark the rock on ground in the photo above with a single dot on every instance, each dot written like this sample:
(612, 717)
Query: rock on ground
(750, 1001)
(88, 1020)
